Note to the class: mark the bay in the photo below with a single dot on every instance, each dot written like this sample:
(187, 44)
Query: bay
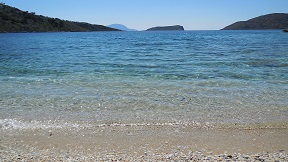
(187, 76)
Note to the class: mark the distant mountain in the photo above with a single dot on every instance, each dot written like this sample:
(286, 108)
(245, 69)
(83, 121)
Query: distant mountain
(270, 21)
(15, 20)
(159, 28)
(120, 27)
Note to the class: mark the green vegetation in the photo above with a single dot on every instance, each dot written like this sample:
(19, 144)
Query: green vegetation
(270, 21)
(15, 20)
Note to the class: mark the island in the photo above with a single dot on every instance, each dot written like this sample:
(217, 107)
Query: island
(269, 21)
(121, 27)
(15, 20)
(164, 28)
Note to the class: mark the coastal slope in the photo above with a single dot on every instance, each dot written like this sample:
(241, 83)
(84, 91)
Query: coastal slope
(15, 20)
(269, 21)
(159, 28)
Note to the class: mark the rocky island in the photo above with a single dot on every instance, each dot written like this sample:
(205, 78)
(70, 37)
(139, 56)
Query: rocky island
(15, 20)
(269, 21)
(159, 28)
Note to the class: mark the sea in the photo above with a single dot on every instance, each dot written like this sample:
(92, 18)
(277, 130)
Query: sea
(79, 79)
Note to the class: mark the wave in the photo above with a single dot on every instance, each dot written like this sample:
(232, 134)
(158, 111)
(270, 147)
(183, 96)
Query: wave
(12, 124)
(20, 124)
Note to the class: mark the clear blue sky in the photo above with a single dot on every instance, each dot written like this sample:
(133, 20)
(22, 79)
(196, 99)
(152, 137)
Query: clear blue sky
(143, 14)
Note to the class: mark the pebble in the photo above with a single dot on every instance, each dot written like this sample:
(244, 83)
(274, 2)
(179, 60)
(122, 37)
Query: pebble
(13, 155)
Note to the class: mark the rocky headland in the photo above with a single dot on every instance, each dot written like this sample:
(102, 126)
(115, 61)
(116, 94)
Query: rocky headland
(15, 20)
(269, 21)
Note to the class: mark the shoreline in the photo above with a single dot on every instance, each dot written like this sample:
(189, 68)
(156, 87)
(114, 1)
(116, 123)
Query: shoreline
(136, 143)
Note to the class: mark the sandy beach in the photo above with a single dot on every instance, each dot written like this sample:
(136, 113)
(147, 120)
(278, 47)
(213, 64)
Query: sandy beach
(144, 96)
(183, 85)
(124, 142)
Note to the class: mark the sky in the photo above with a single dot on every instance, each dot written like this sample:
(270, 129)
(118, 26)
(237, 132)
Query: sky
(144, 14)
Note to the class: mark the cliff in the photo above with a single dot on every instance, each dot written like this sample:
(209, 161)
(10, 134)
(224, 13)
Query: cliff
(270, 21)
(159, 28)
(15, 20)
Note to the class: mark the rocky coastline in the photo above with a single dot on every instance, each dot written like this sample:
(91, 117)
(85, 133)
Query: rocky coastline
(264, 22)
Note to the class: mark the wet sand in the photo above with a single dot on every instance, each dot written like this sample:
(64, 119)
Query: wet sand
(147, 143)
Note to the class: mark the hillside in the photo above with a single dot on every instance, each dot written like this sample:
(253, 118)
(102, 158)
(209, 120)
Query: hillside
(159, 28)
(270, 21)
(121, 27)
(15, 20)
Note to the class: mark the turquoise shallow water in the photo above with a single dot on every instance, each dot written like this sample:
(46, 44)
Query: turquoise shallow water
(191, 76)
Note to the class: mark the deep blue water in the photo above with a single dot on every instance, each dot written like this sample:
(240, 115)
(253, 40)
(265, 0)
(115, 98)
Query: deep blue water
(202, 76)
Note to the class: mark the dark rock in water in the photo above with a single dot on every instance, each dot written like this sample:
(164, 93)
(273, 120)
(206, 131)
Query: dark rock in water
(285, 30)
(159, 28)
(270, 21)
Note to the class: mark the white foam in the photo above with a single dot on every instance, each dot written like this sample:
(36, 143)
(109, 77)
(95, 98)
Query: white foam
(19, 124)
(178, 123)
(56, 124)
